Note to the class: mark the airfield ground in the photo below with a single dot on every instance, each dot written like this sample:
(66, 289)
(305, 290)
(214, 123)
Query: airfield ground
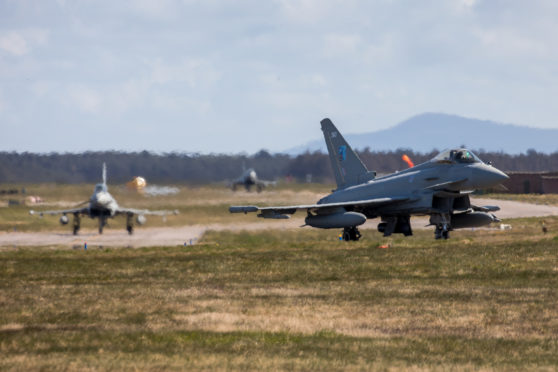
(278, 298)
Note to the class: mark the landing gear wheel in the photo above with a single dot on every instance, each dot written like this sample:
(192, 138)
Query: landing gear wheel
(130, 223)
(441, 232)
(351, 233)
(76, 224)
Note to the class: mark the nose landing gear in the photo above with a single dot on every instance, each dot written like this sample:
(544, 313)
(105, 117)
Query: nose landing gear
(441, 232)
(443, 225)
(102, 223)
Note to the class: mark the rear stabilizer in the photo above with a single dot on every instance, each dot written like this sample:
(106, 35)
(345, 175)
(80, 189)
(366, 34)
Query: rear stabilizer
(347, 166)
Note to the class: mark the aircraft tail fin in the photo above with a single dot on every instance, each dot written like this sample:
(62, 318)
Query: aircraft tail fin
(347, 166)
(104, 173)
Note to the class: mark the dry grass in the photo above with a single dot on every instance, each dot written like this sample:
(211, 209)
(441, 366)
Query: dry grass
(281, 299)
(542, 199)
(484, 300)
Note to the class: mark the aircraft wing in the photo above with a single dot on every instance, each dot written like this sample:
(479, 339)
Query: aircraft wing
(283, 211)
(84, 210)
(144, 212)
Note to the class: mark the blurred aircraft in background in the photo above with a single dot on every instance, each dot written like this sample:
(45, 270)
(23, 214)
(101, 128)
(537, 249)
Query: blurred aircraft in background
(102, 205)
(439, 188)
(248, 179)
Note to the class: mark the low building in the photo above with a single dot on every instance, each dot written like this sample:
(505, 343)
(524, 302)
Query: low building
(532, 182)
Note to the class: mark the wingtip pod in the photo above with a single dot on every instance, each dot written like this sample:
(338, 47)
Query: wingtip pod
(243, 209)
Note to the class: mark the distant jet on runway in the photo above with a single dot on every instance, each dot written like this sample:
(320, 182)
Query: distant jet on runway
(248, 179)
(102, 205)
(439, 188)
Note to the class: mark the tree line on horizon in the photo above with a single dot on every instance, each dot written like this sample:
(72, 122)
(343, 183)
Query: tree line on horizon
(199, 169)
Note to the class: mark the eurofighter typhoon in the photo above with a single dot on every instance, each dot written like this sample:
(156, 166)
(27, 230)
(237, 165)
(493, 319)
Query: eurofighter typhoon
(439, 188)
(102, 205)
(250, 178)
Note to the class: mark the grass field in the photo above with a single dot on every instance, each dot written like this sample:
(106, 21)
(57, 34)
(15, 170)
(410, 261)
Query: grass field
(544, 199)
(266, 300)
(280, 300)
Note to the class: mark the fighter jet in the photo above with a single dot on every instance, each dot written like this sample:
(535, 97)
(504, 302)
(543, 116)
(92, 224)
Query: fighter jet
(439, 188)
(102, 205)
(248, 179)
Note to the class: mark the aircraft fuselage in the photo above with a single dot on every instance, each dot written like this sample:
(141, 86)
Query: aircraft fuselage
(417, 184)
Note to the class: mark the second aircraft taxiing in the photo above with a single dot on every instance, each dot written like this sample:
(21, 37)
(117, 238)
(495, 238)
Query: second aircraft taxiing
(102, 205)
(439, 188)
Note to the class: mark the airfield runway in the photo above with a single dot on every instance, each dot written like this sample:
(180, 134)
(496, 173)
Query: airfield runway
(187, 235)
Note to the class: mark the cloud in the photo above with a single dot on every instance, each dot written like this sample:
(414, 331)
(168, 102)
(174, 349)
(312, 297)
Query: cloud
(217, 62)
(196, 72)
(2, 103)
(341, 44)
(310, 11)
(19, 43)
(85, 98)
(467, 4)
(13, 43)
(510, 43)
(158, 10)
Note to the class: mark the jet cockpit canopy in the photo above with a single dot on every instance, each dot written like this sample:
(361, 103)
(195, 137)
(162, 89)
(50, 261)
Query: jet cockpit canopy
(456, 156)
(100, 187)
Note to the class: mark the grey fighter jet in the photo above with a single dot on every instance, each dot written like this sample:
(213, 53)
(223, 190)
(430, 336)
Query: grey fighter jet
(102, 205)
(439, 188)
(248, 179)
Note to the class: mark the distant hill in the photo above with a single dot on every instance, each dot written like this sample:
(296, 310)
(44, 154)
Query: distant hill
(425, 132)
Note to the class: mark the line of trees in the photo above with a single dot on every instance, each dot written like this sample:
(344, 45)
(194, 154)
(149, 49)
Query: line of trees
(198, 169)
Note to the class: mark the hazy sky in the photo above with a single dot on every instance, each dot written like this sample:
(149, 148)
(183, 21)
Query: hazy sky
(232, 76)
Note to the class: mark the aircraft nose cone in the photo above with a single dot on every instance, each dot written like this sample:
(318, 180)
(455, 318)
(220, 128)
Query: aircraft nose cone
(488, 176)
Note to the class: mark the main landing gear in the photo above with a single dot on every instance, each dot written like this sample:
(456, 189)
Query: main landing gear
(351, 234)
(130, 223)
(76, 223)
